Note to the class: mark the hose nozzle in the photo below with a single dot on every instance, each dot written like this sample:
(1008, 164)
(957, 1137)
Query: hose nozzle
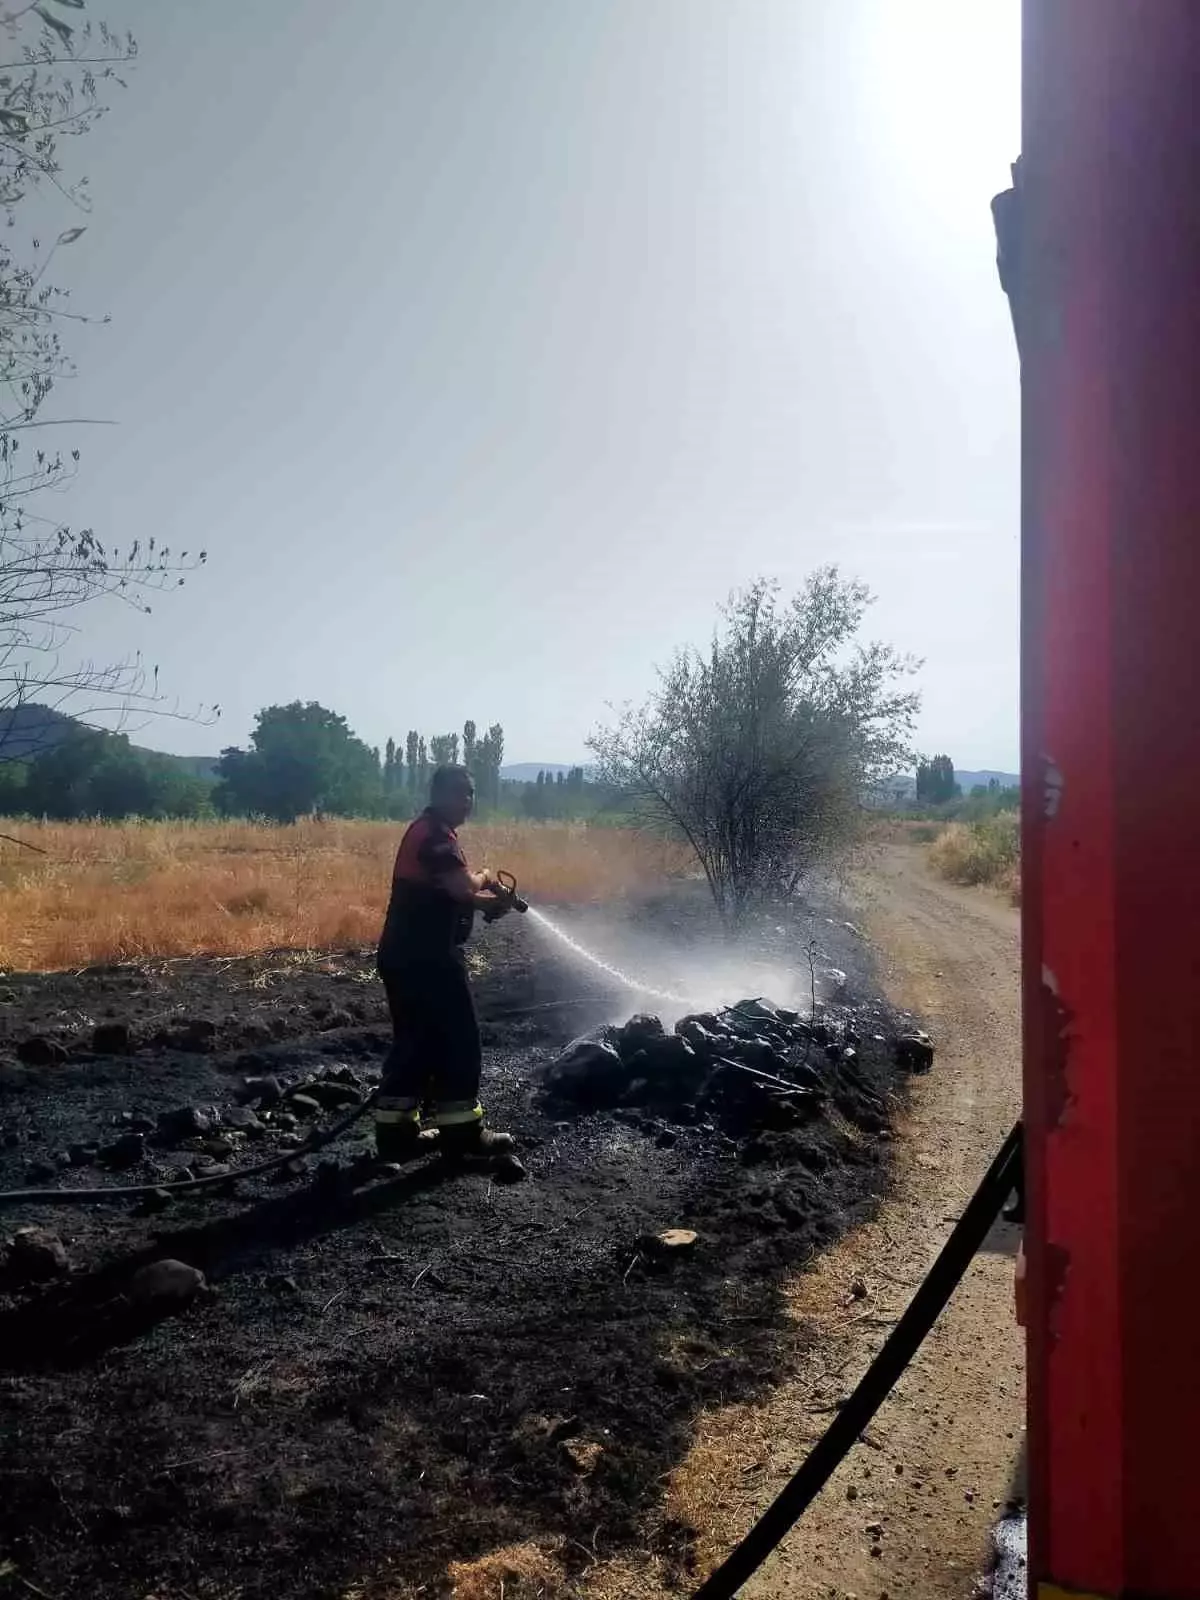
(508, 887)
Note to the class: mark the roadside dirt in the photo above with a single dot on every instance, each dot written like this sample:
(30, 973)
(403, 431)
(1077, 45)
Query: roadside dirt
(908, 1514)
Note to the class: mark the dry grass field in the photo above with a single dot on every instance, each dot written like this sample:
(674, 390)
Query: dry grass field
(121, 891)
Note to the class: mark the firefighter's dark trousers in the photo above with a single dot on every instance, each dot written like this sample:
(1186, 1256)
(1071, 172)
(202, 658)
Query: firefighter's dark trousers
(434, 1065)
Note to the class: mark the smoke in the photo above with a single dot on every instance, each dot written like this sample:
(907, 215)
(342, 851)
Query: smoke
(695, 979)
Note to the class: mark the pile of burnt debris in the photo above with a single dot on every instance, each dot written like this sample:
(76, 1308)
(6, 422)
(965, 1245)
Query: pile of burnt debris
(750, 1065)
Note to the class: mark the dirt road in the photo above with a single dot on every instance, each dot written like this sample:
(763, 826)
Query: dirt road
(908, 1514)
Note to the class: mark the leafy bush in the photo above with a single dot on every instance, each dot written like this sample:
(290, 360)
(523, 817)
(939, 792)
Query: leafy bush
(757, 752)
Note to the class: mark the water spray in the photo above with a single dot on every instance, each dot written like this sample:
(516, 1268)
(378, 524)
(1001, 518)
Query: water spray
(504, 886)
(606, 966)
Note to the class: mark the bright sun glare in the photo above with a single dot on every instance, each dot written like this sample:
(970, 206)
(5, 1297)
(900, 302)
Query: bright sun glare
(944, 80)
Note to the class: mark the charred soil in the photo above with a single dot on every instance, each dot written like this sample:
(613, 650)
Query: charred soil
(391, 1371)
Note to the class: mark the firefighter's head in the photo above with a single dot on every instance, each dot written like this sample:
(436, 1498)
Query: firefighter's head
(452, 795)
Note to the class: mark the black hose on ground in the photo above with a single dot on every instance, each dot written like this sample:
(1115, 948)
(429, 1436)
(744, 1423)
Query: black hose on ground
(70, 1197)
(315, 1141)
(901, 1345)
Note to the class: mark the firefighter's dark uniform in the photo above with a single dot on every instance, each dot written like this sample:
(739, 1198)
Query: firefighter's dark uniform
(436, 1058)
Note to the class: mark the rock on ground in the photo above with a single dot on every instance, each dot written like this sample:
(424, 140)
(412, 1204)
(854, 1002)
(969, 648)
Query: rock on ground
(185, 1122)
(166, 1285)
(36, 1255)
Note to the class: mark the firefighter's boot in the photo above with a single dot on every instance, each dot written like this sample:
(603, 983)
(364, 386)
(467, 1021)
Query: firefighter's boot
(482, 1146)
(487, 1142)
(398, 1132)
(462, 1135)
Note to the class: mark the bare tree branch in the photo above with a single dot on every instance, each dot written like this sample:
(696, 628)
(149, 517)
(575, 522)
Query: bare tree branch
(51, 90)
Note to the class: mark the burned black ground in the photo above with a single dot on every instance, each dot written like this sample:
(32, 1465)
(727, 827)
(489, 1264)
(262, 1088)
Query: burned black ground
(397, 1373)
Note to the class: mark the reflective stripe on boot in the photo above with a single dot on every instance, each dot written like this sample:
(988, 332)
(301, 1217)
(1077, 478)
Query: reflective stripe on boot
(397, 1128)
(457, 1114)
(397, 1111)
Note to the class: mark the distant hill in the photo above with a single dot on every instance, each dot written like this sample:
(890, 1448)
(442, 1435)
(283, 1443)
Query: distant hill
(29, 730)
(901, 787)
(968, 780)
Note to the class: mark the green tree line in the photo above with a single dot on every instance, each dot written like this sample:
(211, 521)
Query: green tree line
(87, 773)
(940, 798)
(305, 760)
(558, 796)
(301, 760)
(406, 772)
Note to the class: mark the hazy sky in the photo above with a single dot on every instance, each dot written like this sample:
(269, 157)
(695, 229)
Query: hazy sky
(486, 344)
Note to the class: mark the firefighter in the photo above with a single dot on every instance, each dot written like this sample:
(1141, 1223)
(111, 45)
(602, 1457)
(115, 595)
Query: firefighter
(434, 1066)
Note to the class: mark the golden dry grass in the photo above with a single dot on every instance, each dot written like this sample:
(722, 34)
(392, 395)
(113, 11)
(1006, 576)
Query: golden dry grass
(530, 1571)
(520, 1570)
(987, 852)
(122, 891)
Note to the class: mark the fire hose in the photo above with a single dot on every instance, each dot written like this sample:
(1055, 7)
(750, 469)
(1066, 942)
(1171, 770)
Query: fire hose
(504, 887)
(905, 1339)
(67, 1197)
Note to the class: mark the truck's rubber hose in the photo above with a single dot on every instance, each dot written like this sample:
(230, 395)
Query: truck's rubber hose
(901, 1345)
(70, 1197)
